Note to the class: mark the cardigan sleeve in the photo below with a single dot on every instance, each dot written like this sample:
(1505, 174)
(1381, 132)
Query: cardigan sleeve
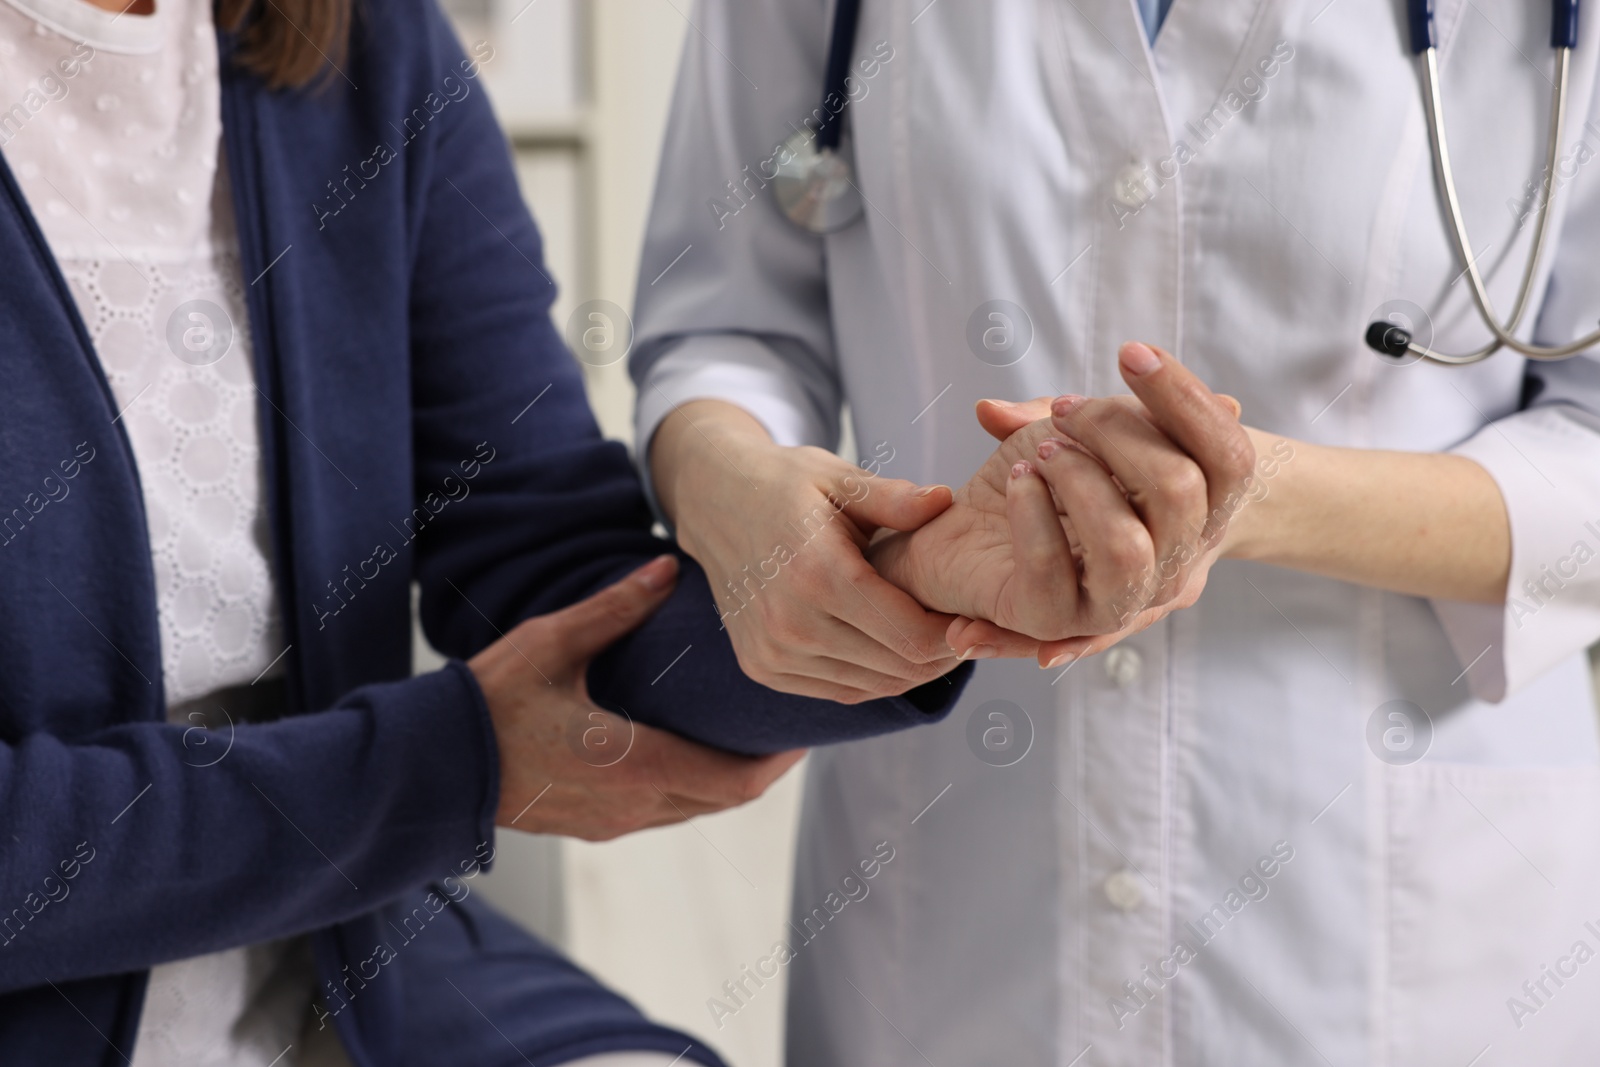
(559, 511)
(145, 842)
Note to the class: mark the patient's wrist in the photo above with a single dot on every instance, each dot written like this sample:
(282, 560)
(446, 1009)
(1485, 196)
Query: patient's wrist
(890, 553)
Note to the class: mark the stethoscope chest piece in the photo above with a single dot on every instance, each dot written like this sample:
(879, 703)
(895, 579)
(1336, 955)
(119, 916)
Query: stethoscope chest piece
(814, 186)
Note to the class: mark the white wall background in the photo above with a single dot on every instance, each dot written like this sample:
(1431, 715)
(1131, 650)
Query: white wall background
(666, 916)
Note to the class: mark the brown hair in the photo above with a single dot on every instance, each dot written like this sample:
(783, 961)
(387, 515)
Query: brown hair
(288, 42)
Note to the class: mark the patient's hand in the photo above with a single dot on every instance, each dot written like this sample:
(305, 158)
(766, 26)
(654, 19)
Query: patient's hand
(964, 562)
(555, 776)
(1085, 527)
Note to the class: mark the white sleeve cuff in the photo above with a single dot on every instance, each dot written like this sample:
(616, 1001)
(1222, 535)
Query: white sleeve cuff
(733, 367)
(1547, 465)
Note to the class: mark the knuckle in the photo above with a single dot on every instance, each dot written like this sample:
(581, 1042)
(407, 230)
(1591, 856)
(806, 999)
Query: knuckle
(1111, 415)
(1130, 549)
(853, 569)
(1114, 421)
(1184, 483)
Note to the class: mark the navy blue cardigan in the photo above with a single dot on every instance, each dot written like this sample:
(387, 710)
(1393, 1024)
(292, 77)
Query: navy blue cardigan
(400, 320)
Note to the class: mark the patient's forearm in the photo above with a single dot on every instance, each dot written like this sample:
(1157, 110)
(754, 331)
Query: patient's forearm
(1427, 524)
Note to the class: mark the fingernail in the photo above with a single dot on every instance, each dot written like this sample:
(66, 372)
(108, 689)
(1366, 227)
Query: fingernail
(1063, 405)
(1065, 657)
(1020, 469)
(929, 490)
(1138, 359)
(979, 652)
(656, 574)
(1049, 447)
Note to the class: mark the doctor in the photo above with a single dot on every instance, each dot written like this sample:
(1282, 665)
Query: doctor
(1324, 815)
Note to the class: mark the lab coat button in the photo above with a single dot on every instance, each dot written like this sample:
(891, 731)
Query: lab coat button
(1122, 890)
(1131, 187)
(1123, 665)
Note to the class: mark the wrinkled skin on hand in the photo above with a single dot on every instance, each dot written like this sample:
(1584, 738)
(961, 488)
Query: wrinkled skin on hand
(1081, 528)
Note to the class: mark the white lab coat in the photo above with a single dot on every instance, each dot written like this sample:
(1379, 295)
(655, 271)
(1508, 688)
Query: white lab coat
(1016, 922)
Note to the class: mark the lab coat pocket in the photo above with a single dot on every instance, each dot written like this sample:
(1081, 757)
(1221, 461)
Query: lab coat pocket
(1493, 916)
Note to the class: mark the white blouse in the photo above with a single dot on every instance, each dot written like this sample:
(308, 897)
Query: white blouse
(120, 162)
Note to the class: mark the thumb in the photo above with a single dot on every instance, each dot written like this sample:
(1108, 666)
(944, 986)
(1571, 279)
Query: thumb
(896, 503)
(590, 625)
(1002, 418)
(1192, 415)
(1183, 406)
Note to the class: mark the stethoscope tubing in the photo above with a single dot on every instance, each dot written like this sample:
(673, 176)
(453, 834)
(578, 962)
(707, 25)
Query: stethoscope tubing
(1424, 42)
(836, 72)
(1444, 176)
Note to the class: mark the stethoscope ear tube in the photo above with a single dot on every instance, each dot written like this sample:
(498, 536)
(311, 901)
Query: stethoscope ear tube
(1564, 24)
(1419, 19)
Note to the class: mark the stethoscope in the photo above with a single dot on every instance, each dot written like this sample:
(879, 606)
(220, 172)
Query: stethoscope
(815, 185)
(815, 182)
(1398, 341)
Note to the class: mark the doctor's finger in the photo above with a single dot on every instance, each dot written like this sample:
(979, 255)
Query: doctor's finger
(888, 614)
(1166, 486)
(1046, 578)
(982, 639)
(826, 684)
(862, 683)
(895, 660)
(1061, 653)
(1002, 418)
(892, 502)
(1118, 554)
(1192, 415)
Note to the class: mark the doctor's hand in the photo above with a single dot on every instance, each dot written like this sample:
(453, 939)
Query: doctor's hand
(781, 532)
(555, 777)
(1086, 527)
